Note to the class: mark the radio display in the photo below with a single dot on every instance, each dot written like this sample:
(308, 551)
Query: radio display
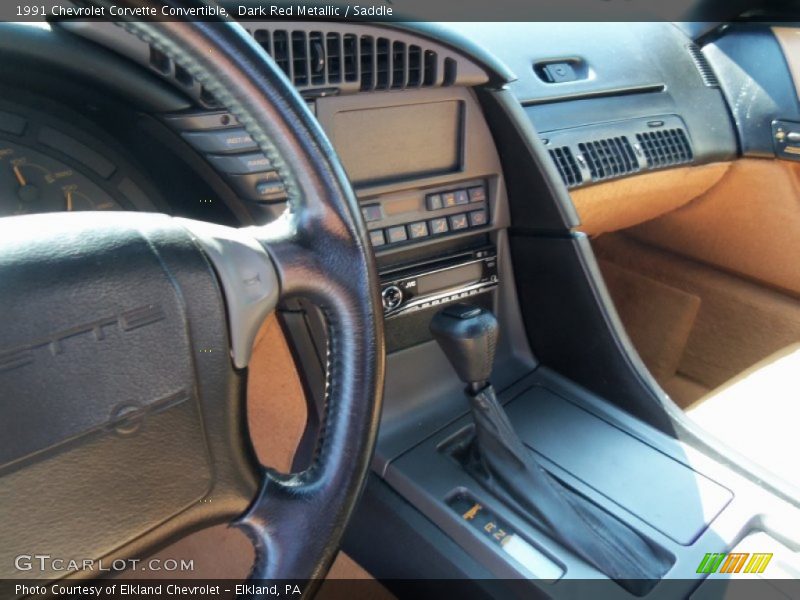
(395, 143)
(456, 276)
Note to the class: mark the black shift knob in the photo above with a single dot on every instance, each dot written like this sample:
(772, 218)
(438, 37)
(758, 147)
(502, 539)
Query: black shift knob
(468, 336)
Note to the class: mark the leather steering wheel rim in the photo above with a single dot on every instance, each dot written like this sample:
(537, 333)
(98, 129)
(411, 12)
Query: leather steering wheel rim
(312, 506)
(320, 251)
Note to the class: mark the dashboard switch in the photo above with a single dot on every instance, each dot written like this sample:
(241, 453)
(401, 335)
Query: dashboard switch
(201, 120)
(372, 213)
(222, 140)
(458, 222)
(418, 230)
(269, 188)
(477, 194)
(439, 226)
(477, 218)
(392, 297)
(397, 234)
(434, 201)
(559, 72)
(461, 197)
(240, 164)
(377, 238)
(448, 199)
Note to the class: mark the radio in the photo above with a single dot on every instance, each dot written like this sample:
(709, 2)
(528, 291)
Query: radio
(423, 286)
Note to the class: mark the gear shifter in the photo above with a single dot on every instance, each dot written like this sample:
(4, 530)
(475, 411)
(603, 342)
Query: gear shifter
(468, 336)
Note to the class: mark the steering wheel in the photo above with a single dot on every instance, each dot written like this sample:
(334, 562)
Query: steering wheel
(126, 337)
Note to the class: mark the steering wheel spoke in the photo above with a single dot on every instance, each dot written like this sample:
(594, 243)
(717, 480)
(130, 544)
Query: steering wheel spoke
(248, 280)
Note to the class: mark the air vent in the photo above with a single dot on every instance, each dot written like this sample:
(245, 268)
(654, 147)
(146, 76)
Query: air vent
(665, 147)
(701, 62)
(610, 157)
(567, 166)
(317, 59)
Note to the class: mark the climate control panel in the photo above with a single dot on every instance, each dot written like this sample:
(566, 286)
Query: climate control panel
(425, 214)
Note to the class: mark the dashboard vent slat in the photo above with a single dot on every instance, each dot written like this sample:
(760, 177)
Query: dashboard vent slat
(431, 72)
(450, 72)
(398, 66)
(665, 147)
(317, 58)
(610, 157)
(382, 64)
(415, 66)
(367, 49)
(567, 166)
(350, 52)
(703, 67)
(280, 51)
(333, 54)
(299, 57)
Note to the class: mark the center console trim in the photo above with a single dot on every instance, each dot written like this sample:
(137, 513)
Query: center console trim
(749, 508)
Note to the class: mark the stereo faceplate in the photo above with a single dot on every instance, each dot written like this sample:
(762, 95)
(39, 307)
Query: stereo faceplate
(431, 284)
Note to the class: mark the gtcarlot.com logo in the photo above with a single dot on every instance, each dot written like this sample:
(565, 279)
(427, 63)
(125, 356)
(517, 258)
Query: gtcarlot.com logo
(48, 563)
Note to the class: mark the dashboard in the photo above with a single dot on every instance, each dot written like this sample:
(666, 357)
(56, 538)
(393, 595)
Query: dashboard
(402, 109)
(434, 163)
(398, 108)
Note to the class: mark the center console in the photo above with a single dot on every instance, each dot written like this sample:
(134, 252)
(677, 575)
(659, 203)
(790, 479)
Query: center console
(429, 181)
(431, 254)
(412, 294)
(679, 500)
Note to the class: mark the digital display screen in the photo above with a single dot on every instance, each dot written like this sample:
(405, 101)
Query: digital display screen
(395, 143)
(449, 278)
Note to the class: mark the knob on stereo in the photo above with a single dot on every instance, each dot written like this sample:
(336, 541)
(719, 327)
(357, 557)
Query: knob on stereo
(392, 297)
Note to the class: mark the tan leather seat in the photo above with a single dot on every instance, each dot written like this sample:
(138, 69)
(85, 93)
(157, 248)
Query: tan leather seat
(758, 413)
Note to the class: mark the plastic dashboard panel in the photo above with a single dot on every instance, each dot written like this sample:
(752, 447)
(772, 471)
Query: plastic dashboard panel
(595, 153)
(755, 78)
(635, 70)
(403, 200)
(344, 83)
(296, 50)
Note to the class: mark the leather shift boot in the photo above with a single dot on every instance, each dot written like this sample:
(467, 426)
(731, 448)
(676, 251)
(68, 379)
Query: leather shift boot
(596, 536)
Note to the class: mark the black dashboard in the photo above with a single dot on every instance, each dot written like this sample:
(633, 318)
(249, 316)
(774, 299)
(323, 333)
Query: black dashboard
(630, 97)
(409, 110)
(403, 110)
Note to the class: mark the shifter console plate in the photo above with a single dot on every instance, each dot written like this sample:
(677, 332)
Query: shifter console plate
(498, 532)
